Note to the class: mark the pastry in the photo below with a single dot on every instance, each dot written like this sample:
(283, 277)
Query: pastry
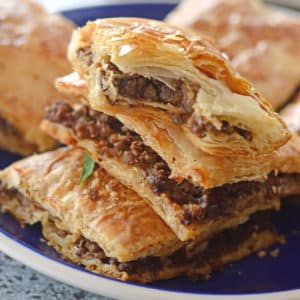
(193, 212)
(261, 43)
(108, 228)
(178, 78)
(33, 45)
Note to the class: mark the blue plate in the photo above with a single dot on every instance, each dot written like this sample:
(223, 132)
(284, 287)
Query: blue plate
(247, 277)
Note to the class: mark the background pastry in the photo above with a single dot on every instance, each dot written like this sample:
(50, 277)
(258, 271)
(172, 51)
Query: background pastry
(261, 43)
(33, 48)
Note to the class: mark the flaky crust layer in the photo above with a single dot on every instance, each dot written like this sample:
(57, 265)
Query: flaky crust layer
(33, 47)
(263, 45)
(155, 50)
(101, 209)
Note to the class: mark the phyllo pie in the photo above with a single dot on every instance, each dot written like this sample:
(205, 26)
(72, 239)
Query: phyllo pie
(33, 46)
(177, 79)
(98, 220)
(262, 43)
(107, 228)
(191, 211)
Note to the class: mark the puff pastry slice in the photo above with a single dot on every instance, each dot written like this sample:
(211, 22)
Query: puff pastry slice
(181, 78)
(108, 228)
(184, 159)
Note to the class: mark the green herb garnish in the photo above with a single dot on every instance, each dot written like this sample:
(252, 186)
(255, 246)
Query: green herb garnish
(88, 168)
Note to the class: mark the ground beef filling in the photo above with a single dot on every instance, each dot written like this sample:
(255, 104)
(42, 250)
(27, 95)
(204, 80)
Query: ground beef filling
(137, 87)
(115, 140)
(85, 55)
(200, 126)
(88, 249)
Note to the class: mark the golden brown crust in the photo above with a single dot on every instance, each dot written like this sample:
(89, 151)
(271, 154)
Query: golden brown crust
(101, 209)
(155, 50)
(263, 45)
(33, 47)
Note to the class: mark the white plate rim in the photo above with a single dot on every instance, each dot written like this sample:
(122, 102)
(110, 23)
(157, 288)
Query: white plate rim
(110, 287)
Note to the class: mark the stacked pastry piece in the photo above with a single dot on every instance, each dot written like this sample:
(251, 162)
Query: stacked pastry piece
(108, 228)
(166, 115)
(192, 157)
(185, 132)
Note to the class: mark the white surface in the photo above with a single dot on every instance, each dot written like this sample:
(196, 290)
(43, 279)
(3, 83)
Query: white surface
(113, 288)
(57, 5)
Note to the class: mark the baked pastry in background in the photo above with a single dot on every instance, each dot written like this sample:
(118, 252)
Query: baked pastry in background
(261, 43)
(33, 46)
(108, 228)
(171, 76)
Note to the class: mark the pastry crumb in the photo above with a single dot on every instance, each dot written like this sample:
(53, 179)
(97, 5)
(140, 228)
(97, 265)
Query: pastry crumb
(281, 240)
(261, 253)
(275, 252)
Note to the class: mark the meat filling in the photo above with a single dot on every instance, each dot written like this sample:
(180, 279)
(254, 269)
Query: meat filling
(88, 249)
(200, 126)
(199, 204)
(140, 88)
(180, 95)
